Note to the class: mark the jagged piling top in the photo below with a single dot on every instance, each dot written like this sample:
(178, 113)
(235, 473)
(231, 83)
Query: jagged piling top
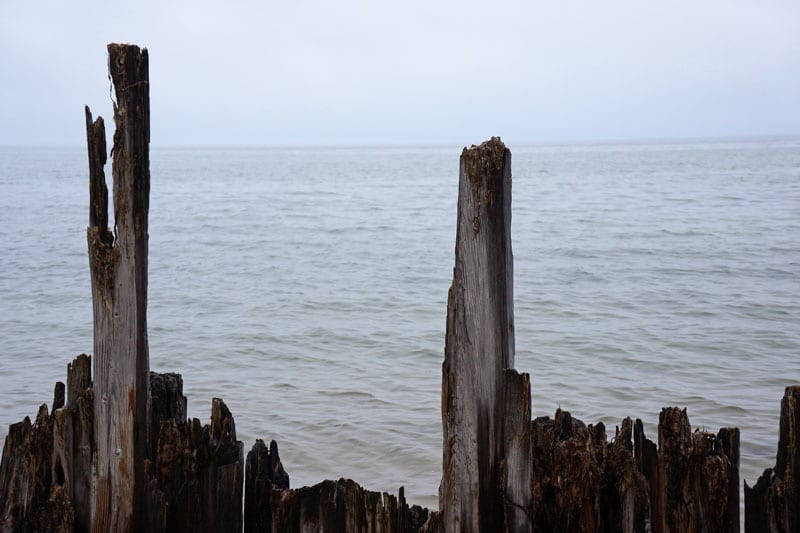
(485, 159)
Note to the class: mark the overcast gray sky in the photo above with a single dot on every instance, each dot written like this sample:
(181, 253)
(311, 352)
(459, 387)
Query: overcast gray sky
(347, 72)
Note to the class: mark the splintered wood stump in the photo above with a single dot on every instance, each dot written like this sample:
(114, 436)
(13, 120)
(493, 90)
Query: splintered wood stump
(263, 473)
(345, 506)
(773, 503)
(479, 343)
(119, 296)
(270, 506)
(194, 481)
(692, 478)
(581, 482)
(45, 472)
(199, 470)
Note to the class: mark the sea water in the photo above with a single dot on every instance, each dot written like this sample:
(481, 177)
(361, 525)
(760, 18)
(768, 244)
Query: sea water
(307, 287)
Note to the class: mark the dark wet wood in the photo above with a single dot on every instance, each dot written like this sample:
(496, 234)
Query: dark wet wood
(344, 505)
(773, 503)
(271, 506)
(263, 473)
(584, 483)
(691, 490)
(693, 477)
(566, 474)
(45, 473)
(199, 474)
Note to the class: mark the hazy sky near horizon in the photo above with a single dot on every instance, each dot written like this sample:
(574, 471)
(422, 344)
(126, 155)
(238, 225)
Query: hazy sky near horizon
(348, 72)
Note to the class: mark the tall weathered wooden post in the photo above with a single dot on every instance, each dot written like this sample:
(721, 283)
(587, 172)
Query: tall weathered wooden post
(479, 343)
(118, 263)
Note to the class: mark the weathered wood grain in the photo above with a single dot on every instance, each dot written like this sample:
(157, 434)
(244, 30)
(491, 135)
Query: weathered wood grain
(517, 466)
(118, 263)
(199, 473)
(73, 437)
(479, 343)
(693, 477)
(582, 482)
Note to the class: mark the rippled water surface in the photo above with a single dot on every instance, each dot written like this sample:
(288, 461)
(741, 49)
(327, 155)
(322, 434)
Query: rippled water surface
(307, 288)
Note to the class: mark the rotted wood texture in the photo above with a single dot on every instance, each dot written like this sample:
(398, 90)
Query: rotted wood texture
(582, 482)
(198, 480)
(45, 472)
(690, 487)
(344, 505)
(194, 481)
(263, 473)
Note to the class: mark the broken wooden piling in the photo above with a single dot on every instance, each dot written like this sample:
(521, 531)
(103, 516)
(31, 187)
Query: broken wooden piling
(504, 472)
(479, 343)
(118, 264)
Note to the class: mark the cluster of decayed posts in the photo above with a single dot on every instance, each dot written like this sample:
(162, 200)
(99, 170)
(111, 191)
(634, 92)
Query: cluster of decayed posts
(116, 451)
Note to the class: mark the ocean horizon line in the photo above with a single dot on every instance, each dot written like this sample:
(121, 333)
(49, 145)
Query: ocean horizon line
(643, 141)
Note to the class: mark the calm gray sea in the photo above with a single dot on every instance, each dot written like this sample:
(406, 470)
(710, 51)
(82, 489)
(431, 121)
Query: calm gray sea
(307, 288)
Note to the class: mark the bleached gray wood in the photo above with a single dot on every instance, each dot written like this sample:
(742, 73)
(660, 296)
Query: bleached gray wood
(479, 343)
(518, 469)
(118, 263)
